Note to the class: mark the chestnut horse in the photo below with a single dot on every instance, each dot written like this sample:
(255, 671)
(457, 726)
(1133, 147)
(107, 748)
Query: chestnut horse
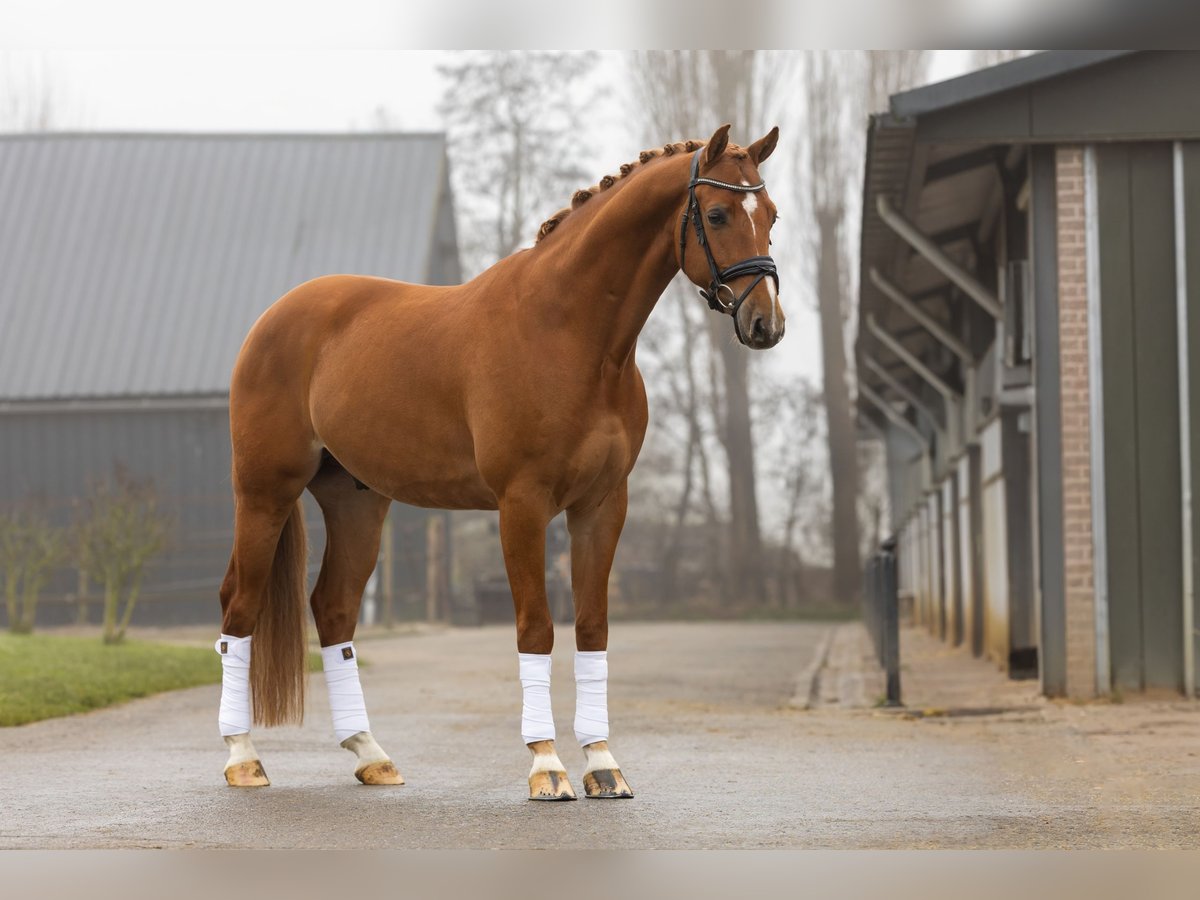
(516, 391)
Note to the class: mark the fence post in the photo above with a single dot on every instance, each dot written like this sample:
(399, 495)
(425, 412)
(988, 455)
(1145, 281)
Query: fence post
(890, 624)
(881, 616)
(387, 574)
(436, 607)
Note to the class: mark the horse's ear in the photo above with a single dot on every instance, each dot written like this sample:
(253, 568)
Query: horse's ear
(764, 146)
(716, 145)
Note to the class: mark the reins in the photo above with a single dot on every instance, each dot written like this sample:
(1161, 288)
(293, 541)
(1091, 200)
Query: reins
(761, 266)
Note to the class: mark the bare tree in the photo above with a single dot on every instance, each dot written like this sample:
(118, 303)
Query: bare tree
(981, 59)
(788, 421)
(30, 98)
(30, 548)
(687, 94)
(840, 88)
(676, 469)
(513, 122)
(890, 71)
(121, 529)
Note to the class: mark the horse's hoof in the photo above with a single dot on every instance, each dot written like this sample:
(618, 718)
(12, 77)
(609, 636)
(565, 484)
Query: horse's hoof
(606, 784)
(379, 773)
(247, 774)
(550, 786)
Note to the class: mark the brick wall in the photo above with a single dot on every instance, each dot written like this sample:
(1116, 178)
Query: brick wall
(1076, 419)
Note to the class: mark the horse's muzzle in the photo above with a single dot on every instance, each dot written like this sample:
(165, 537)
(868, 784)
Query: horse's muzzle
(758, 332)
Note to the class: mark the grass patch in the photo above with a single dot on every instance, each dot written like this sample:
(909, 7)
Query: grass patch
(43, 676)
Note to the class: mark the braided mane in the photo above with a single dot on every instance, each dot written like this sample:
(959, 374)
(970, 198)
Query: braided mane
(583, 195)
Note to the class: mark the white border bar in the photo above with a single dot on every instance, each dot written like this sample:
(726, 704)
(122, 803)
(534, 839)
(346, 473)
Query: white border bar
(1096, 430)
(1185, 437)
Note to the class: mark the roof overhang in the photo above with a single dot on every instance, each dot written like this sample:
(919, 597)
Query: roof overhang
(948, 157)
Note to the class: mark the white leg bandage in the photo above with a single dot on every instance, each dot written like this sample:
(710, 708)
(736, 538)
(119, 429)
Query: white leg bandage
(234, 714)
(345, 690)
(537, 721)
(591, 696)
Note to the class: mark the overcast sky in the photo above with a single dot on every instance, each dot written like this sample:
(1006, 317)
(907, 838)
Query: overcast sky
(110, 72)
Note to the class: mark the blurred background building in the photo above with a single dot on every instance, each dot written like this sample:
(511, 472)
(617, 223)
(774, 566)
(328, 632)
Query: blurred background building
(132, 267)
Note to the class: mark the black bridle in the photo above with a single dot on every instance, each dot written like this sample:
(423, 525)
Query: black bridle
(760, 266)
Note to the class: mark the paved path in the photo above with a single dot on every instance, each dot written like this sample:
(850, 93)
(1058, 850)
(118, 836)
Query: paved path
(704, 730)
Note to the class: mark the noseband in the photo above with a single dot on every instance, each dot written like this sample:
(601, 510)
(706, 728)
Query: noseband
(761, 266)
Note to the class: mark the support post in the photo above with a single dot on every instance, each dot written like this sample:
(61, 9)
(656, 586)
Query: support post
(926, 321)
(938, 258)
(899, 421)
(949, 395)
(387, 573)
(899, 387)
(434, 548)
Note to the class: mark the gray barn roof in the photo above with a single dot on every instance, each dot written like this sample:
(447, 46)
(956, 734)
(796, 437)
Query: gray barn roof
(133, 265)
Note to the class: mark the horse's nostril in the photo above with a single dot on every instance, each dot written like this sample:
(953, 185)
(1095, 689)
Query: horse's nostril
(757, 329)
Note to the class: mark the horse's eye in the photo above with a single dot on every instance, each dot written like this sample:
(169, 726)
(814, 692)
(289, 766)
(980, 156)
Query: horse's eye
(716, 216)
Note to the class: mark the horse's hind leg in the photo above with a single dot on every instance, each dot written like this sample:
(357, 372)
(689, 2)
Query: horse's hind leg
(261, 598)
(353, 522)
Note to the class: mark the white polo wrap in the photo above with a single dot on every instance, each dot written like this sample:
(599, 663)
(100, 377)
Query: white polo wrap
(234, 715)
(591, 696)
(345, 690)
(537, 720)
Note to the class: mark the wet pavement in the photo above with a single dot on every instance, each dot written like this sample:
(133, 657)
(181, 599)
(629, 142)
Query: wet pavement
(704, 729)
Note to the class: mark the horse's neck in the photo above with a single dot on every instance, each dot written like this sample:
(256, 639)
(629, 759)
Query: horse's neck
(610, 266)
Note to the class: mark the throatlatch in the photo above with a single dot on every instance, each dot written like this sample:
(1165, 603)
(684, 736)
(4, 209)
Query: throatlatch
(761, 266)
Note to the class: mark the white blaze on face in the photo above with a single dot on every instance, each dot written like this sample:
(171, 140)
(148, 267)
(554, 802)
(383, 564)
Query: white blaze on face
(770, 282)
(750, 204)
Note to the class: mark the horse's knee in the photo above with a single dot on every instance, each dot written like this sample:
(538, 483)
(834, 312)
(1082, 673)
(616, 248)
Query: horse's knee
(591, 631)
(535, 630)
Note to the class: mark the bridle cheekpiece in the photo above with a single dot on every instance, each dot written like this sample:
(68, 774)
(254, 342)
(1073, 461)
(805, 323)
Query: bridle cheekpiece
(760, 266)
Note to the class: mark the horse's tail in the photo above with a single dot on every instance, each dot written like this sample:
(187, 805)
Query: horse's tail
(278, 662)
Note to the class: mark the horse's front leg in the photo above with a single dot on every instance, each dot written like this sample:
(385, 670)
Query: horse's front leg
(594, 534)
(523, 520)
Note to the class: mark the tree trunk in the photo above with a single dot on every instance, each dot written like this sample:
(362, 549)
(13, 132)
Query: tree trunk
(135, 589)
(10, 601)
(735, 72)
(843, 454)
(29, 606)
(111, 597)
(747, 581)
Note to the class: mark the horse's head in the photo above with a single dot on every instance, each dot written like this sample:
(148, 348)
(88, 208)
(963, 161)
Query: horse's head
(725, 237)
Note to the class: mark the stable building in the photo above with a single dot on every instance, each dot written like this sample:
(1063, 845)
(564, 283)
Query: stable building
(1029, 354)
(131, 268)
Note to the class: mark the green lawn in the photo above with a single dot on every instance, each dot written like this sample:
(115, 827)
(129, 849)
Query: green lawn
(42, 676)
